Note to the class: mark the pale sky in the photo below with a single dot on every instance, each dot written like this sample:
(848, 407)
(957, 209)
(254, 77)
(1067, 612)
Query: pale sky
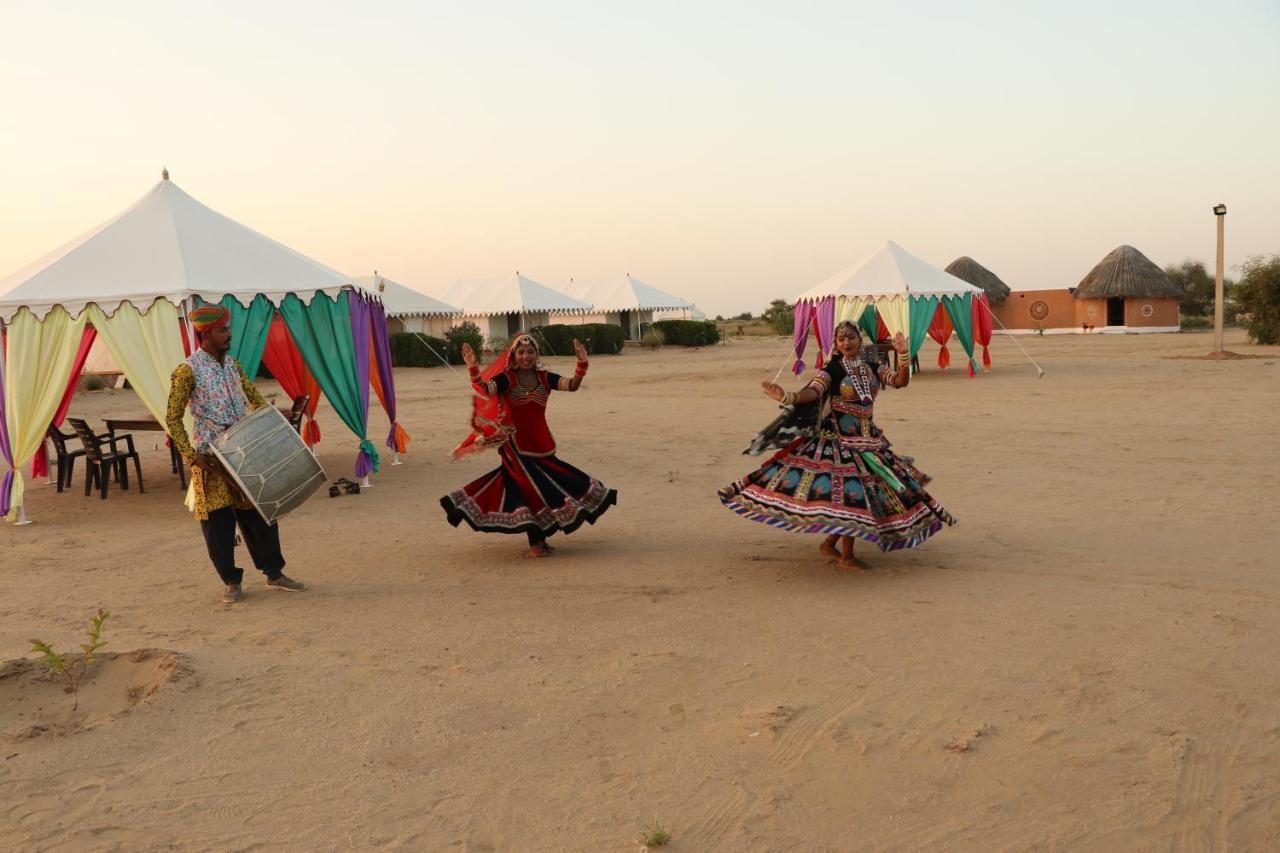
(729, 153)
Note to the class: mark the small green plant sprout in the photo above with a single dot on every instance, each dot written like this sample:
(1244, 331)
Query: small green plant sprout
(66, 666)
(655, 836)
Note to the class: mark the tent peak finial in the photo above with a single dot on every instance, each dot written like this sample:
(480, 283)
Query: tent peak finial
(164, 173)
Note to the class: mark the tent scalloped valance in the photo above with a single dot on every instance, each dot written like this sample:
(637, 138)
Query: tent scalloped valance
(143, 304)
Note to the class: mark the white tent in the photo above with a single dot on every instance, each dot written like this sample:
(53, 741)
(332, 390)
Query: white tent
(167, 245)
(508, 305)
(626, 301)
(411, 310)
(889, 271)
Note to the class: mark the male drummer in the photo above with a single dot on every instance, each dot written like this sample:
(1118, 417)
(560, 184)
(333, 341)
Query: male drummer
(220, 394)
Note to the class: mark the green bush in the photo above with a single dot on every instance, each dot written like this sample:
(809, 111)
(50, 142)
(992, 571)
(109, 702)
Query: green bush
(688, 333)
(1258, 295)
(408, 350)
(598, 338)
(466, 332)
(1196, 321)
(652, 339)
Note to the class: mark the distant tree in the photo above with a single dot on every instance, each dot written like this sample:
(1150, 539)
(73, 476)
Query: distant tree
(719, 318)
(744, 317)
(1196, 284)
(1258, 295)
(780, 316)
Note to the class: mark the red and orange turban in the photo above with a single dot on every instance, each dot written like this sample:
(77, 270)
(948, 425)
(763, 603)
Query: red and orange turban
(208, 317)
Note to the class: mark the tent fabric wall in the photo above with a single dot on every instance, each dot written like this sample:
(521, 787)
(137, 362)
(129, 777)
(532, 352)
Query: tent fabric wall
(361, 313)
(39, 357)
(146, 346)
(982, 327)
(960, 309)
(283, 358)
(922, 310)
(383, 376)
(40, 463)
(940, 330)
(322, 332)
(249, 328)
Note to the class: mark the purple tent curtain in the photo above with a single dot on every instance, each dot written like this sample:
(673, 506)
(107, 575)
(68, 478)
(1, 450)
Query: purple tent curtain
(804, 313)
(397, 438)
(361, 312)
(6, 483)
(825, 324)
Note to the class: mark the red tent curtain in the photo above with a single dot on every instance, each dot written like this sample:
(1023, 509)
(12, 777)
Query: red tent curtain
(283, 358)
(40, 462)
(940, 330)
(982, 327)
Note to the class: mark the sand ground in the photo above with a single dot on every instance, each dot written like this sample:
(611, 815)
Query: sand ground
(1087, 662)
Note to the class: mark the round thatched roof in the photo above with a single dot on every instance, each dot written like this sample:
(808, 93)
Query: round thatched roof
(1127, 272)
(967, 269)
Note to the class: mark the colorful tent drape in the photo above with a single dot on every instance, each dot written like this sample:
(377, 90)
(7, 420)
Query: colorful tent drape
(146, 346)
(361, 339)
(284, 360)
(39, 356)
(249, 327)
(40, 462)
(804, 313)
(824, 321)
(383, 378)
(960, 309)
(322, 332)
(921, 315)
(982, 327)
(940, 330)
(6, 480)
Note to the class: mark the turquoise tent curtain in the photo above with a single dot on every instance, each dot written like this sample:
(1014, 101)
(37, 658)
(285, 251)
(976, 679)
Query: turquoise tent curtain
(322, 331)
(249, 327)
(868, 323)
(921, 314)
(960, 309)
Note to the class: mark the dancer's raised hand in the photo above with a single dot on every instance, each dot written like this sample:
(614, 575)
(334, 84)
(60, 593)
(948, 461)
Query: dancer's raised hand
(469, 355)
(580, 350)
(900, 343)
(772, 389)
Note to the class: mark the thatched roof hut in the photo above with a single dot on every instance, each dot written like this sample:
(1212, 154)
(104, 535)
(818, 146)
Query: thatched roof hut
(967, 269)
(1127, 272)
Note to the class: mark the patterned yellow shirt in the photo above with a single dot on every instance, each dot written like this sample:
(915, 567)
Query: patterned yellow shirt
(211, 491)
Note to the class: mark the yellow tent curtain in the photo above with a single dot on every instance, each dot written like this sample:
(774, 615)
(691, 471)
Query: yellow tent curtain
(894, 311)
(40, 357)
(146, 346)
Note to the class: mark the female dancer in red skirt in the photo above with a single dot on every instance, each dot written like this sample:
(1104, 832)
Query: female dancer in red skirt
(533, 491)
(843, 479)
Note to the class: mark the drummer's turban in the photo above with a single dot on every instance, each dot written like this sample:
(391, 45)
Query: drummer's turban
(208, 317)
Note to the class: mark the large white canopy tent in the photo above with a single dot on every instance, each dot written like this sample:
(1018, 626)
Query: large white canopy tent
(625, 301)
(133, 278)
(509, 305)
(902, 291)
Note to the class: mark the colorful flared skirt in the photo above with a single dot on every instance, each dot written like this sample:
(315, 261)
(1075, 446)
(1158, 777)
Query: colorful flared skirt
(854, 487)
(529, 494)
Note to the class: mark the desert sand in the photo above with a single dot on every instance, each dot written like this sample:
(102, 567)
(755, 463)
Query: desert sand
(1086, 662)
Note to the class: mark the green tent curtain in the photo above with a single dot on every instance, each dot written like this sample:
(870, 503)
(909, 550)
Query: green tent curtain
(322, 331)
(960, 308)
(249, 327)
(868, 323)
(921, 312)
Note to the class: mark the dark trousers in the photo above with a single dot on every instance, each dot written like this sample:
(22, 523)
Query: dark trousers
(263, 539)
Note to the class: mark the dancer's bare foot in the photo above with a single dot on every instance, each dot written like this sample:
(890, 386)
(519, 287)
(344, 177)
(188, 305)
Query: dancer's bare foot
(828, 547)
(539, 550)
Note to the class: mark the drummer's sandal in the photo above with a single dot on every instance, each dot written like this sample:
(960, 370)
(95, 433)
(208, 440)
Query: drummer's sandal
(287, 583)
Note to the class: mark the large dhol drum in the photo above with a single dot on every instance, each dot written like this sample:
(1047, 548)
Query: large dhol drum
(269, 462)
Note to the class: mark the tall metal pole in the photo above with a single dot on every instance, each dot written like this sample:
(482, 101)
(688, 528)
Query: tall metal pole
(1220, 211)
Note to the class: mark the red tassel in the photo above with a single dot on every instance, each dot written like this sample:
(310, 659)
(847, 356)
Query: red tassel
(311, 432)
(944, 357)
(972, 372)
(986, 357)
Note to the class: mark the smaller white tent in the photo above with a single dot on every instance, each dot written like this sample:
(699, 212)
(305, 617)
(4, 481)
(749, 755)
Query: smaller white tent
(504, 306)
(626, 301)
(409, 310)
(887, 272)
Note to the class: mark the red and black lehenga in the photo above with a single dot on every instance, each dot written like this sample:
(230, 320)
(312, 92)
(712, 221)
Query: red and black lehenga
(843, 477)
(533, 491)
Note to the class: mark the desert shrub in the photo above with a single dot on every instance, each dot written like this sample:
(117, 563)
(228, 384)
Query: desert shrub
(688, 333)
(1197, 321)
(652, 338)
(410, 350)
(598, 338)
(1258, 297)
